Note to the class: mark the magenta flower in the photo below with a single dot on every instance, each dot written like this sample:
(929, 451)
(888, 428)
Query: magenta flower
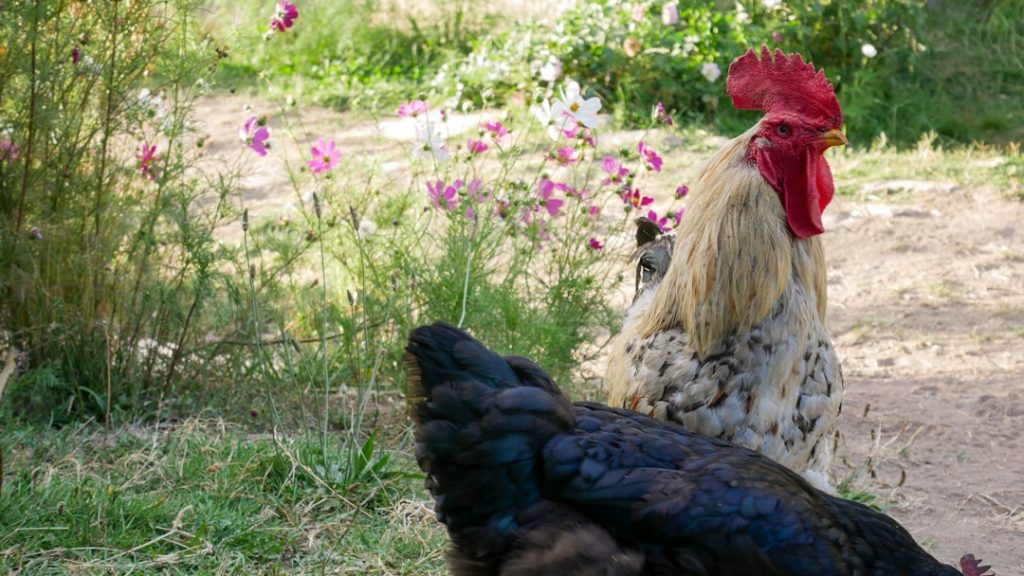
(682, 191)
(546, 191)
(35, 233)
(651, 159)
(9, 151)
(284, 16)
(536, 226)
(595, 244)
(476, 146)
(593, 210)
(616, 172)
(76, 55)
(777, 37)
(676, 216)
(566, 156)
(444, 197)
(660, 115)
(412, 108)
(146, 155)
(325, 156)
(254, 134)
(496, 129)
(570, 191)
(662, 222)
(633, 199)
(475, 193)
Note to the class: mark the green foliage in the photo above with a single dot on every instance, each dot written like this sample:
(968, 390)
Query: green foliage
(104, 268)
(200, 498)
(970, 82)
(341, 52)
(677, 53)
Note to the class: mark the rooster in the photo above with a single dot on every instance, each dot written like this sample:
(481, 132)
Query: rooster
(731, 343)
(529, 484)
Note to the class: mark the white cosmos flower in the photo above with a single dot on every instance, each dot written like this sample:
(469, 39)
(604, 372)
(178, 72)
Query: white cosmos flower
(544, 114)
(711, 71)
(771, 4)
(572, 104)
(551, 70)
(429, 142)
(741, 14)
(367, 228)
(868, 50)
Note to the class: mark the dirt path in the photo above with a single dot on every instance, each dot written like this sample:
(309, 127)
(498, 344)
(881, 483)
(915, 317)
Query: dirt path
(926, 309)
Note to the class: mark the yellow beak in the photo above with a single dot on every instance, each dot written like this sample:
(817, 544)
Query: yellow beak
(833, 138)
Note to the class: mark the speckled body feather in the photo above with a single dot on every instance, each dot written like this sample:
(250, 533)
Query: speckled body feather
(529, 484)
(730, 339)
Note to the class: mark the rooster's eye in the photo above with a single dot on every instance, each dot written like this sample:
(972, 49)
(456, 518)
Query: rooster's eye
(783, 129)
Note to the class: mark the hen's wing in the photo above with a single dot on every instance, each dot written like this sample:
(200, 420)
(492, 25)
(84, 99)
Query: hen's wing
(714, 508)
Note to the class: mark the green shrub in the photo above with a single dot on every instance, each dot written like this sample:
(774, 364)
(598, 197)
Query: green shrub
(677, 53)
(105, 269)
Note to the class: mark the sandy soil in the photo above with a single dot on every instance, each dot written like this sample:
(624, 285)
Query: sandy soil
(927, 312)
(926, 302)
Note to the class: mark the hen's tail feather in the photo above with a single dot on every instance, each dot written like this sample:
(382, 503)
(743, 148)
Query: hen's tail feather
(482, 421)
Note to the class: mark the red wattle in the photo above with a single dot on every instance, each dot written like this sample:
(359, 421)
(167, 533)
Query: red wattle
(805, 189)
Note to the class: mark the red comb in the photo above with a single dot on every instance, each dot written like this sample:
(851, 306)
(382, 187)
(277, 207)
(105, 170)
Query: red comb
(782, 83)
(969, 565)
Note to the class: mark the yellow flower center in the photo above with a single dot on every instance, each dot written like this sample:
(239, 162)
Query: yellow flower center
(575, 106)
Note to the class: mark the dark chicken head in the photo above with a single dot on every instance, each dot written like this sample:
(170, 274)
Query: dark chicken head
(802, 120)
(653, 255)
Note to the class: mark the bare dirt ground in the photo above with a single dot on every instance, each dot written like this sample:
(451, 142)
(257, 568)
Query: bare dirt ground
(926, 302)
(926, 309)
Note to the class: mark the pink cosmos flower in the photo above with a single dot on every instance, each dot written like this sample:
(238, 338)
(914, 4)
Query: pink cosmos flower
(412, 108)
(536, 226)
(444, 197)
(284, 16)
(682, 191)
(651, 159)
(616, 172)
(570, 191)
(566, 156)
(546, 191)
(639, 12)
(146, 155)
(254, 134)
(676, 216)
(595, 244)
(476, 146)
(661, 116)
(325, 156)
(777, 37)
(475, 193)
(593, 210)
(669, 14)
(662, 222)
(496, 129)
(9, 151)
(634, 199)
(475, 190)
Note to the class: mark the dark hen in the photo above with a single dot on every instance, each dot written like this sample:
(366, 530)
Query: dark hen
(529, 484)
